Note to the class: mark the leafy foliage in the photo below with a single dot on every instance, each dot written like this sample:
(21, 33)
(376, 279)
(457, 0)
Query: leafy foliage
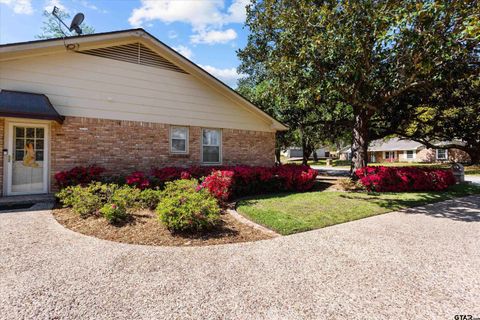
(334, 61)
(184, 208)
(113, 212)
(111, 200)
(401, 179)
(78, 176)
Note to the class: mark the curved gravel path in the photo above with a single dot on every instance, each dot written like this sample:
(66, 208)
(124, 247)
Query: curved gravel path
(422, 263)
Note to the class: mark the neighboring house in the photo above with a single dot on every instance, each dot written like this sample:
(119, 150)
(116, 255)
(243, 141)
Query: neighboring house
(297, 152)
(345, 153)
(122, 100)
(403, 150)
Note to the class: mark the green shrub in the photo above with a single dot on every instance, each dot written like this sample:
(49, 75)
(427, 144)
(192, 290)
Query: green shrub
(149, 198)
(183, 208)
(113, 212)
(88, 200)
(126, 196)
(82, 200)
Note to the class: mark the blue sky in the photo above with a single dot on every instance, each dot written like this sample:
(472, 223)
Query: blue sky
(206, 31)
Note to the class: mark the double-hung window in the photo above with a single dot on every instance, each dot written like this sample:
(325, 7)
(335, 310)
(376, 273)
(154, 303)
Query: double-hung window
(179, 140)
(410, 154)
(211, 146)
(441, 154)
(389, 155)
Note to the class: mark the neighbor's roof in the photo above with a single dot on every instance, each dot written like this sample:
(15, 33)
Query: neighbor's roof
(394, 144)
(27, 105)
(40, 47)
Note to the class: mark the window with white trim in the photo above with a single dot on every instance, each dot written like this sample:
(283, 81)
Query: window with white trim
(441, 154)
(211, 146)
(179, 139)
(389, 154)
(410, 154)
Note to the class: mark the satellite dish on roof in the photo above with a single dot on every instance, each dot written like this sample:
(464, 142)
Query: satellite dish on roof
(76, 22)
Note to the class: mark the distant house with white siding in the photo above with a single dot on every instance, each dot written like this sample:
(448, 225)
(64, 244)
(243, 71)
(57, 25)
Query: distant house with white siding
(297, 152)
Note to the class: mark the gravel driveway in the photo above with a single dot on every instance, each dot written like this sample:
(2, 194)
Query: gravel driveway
(421, 264)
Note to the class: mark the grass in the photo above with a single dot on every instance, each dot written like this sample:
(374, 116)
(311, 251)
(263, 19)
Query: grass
(296, 212)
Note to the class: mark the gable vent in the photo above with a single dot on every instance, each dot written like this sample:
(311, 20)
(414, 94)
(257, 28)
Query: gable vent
(134, 53)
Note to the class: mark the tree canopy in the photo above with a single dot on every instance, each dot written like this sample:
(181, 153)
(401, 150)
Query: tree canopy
(360, 60)
(52, 28)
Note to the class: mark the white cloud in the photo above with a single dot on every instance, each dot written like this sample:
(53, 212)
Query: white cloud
(185, 51)
(207, 17)
(228, 75)
(214, 36)
(55, 3)
(87, 4)
(19, 6)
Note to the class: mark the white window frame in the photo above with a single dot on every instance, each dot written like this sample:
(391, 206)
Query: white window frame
(391, 155)
(413, 154)
(186, 140)
(446, 154)
(220, 141)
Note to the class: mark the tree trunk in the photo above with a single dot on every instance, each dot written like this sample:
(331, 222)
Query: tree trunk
(360, 140)
(315, 156)
(277, 155)
(474, 155)
(306, 150)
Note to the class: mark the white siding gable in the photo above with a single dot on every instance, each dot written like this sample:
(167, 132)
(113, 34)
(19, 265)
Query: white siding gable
(89, 86)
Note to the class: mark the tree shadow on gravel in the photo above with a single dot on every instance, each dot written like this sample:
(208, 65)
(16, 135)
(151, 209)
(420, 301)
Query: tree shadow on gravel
(463, 209)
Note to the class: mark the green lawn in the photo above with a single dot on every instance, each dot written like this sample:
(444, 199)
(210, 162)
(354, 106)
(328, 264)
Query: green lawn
(296, 212)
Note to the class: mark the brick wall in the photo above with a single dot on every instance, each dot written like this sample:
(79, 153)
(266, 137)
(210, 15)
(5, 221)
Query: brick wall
(124, 146)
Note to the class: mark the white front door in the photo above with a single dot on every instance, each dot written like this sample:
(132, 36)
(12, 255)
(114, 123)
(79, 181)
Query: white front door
(27, 160)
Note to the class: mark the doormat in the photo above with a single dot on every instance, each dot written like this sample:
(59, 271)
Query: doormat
(16, 206)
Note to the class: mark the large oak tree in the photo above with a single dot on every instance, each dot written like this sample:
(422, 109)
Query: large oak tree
(366, 56)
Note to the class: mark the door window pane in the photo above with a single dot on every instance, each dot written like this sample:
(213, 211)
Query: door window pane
(19, 132)
(39, 144)
(39, 132)
(19, 155)
(19, 143)
(30, 132)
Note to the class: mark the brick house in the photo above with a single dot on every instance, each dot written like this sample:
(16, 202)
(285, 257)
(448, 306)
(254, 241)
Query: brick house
(122, 100)
(401, 150)
(404, 150)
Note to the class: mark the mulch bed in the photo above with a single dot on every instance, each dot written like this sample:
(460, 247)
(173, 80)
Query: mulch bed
(144, 228)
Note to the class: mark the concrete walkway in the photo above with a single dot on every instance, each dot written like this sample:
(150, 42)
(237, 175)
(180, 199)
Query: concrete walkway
(419, 264)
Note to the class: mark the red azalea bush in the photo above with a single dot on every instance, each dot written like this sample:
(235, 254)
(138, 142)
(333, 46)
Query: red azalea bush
(227, 182)
(138, 179)
(398, 179)
(78, 176)
(243, 180)
(219, 184)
